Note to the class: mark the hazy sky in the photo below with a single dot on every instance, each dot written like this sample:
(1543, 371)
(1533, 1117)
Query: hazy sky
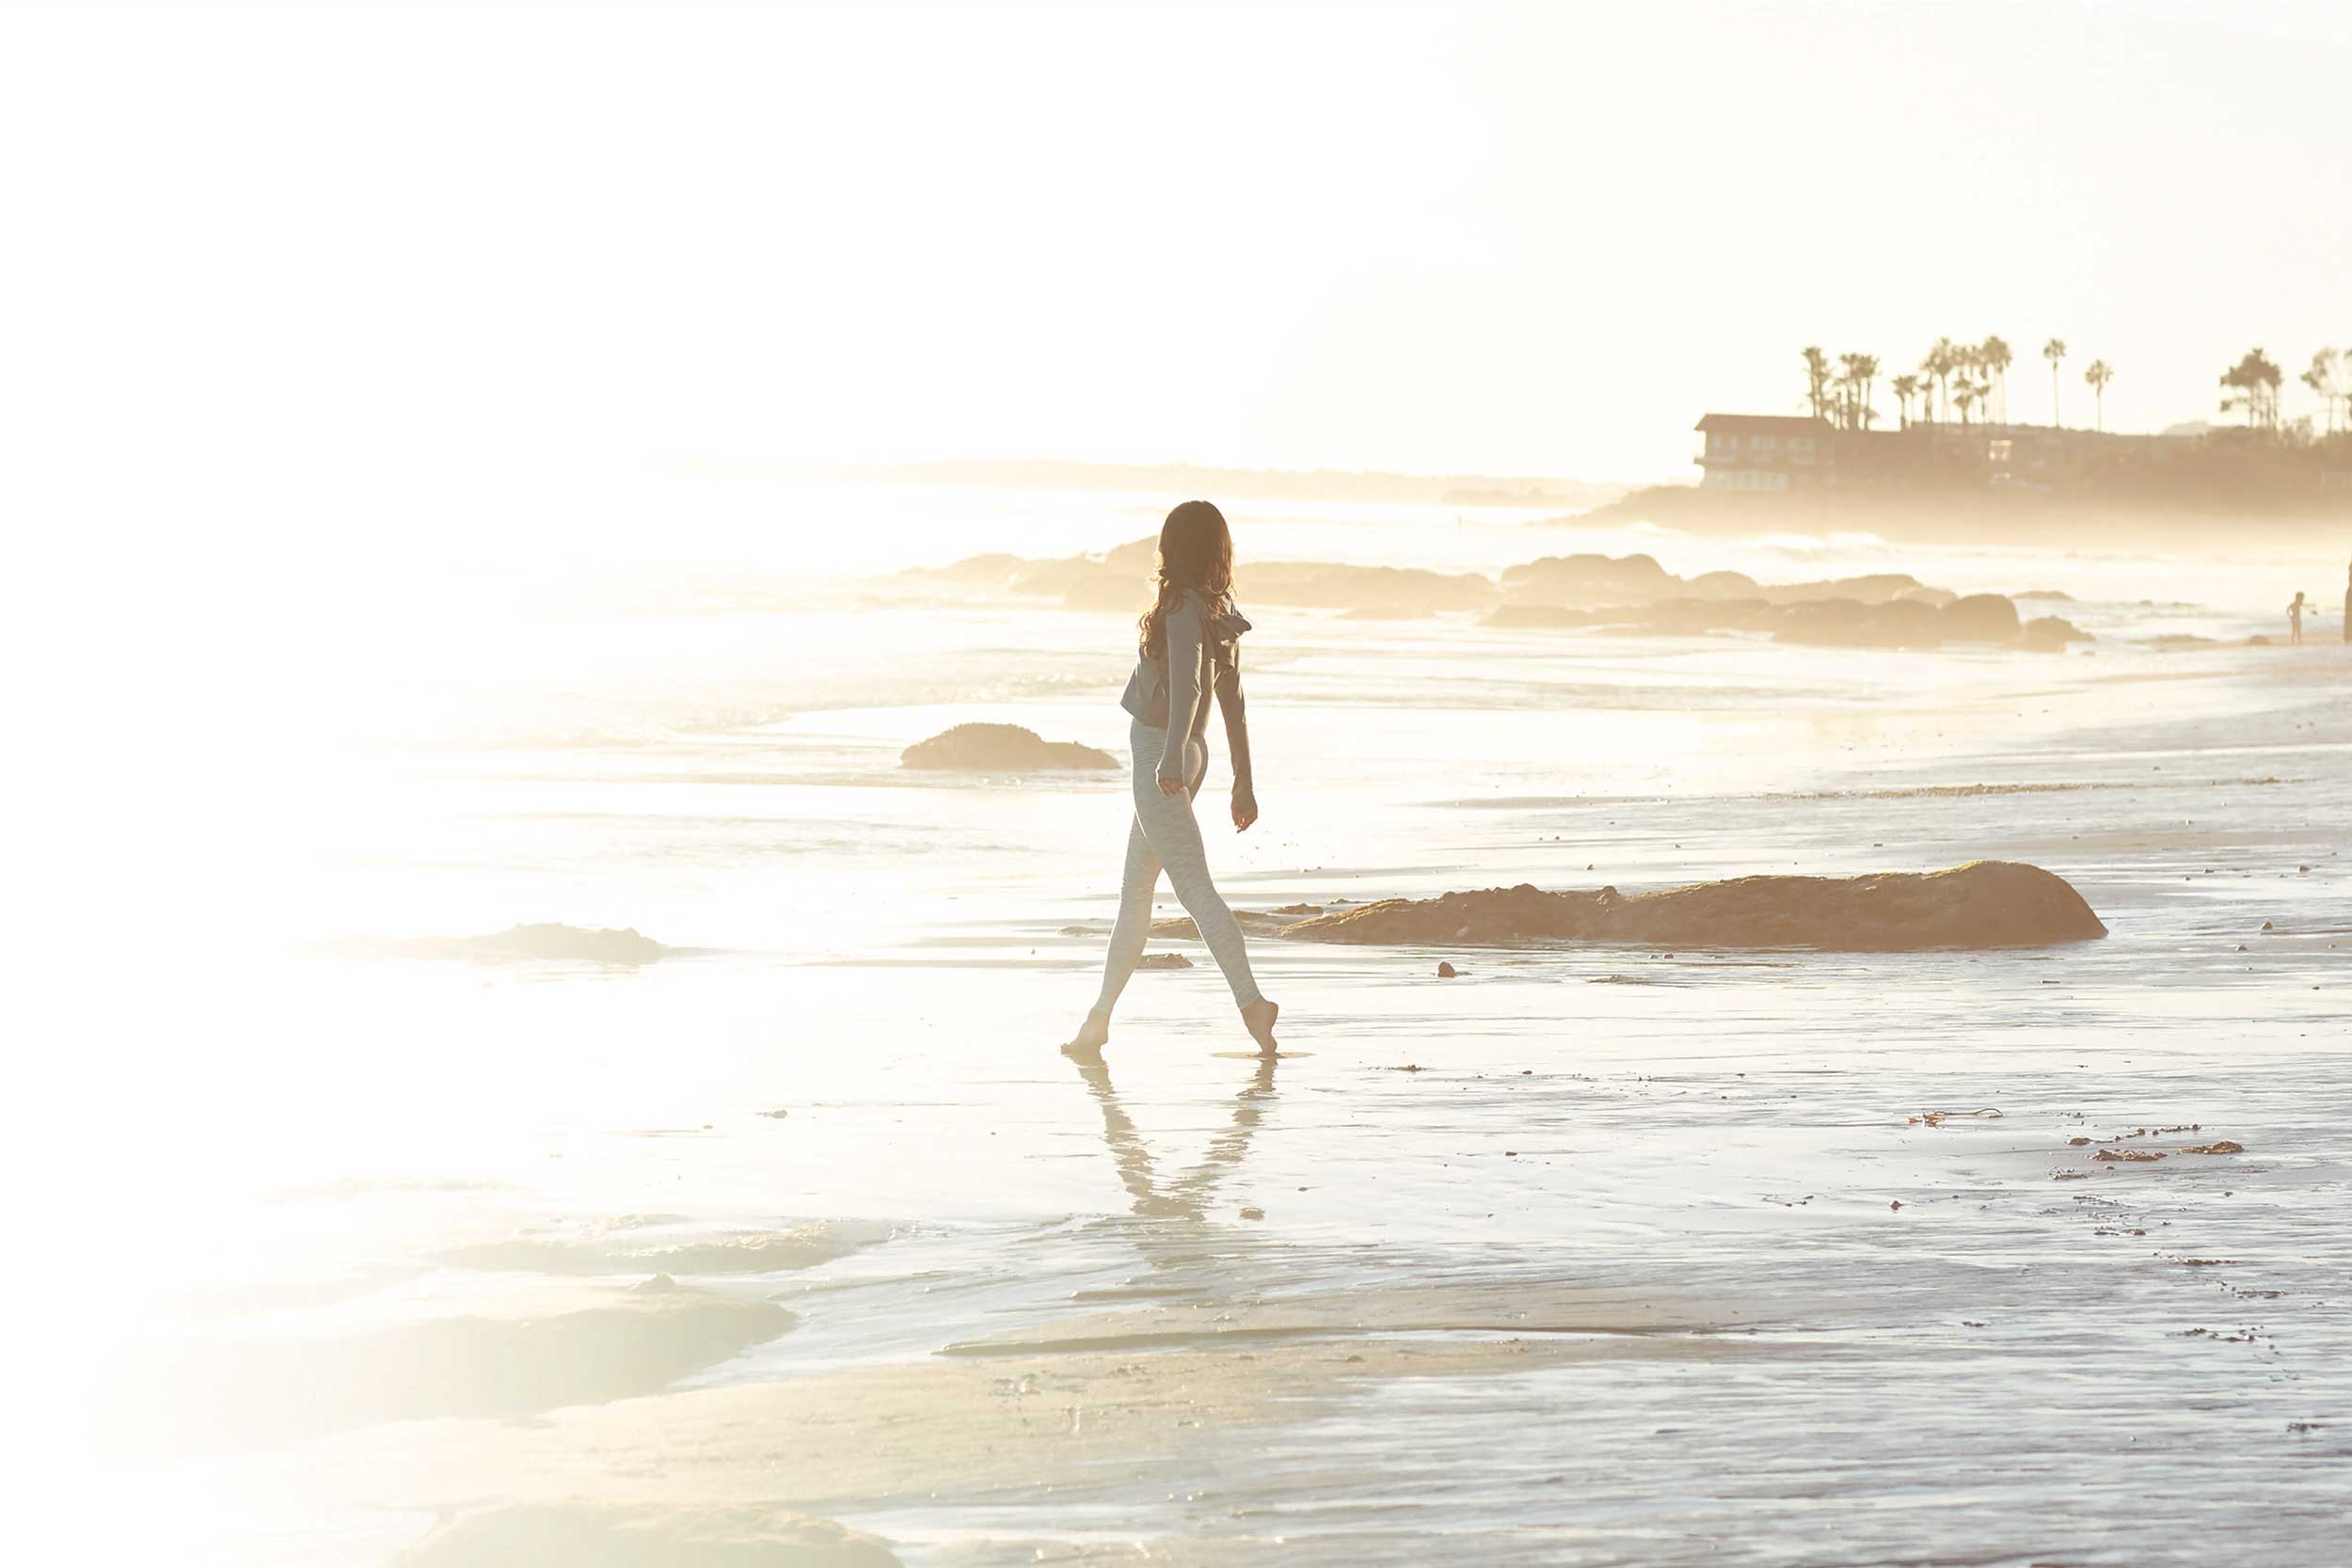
(506, 254)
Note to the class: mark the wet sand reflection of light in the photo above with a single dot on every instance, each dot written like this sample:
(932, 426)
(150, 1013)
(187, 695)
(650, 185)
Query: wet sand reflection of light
(1187, 1197)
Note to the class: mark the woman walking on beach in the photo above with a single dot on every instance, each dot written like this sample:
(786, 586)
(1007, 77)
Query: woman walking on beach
(1186, 647)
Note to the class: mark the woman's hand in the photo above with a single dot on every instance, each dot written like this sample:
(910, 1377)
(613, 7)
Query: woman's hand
(1171, 786)
(1245, 810)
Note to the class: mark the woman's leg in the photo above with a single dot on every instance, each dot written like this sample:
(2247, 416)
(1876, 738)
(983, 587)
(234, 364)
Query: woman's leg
(1137, 885)
(1133, 925)
(1174, 836)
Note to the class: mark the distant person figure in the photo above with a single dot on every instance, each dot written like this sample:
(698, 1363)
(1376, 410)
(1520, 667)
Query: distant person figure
(1186, 647)
(2295, 620)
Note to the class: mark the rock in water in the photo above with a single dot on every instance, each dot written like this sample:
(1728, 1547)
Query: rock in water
(1978, 618)
(2050, 634)
(1982, 904)
(982, 747)
(1588, 579)
(1850, 624)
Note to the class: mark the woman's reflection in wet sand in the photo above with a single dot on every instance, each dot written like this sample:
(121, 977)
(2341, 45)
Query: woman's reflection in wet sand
(1188, 1195)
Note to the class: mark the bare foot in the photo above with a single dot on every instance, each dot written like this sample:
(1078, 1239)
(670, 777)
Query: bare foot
(1094, 1033)
(1259, 1019)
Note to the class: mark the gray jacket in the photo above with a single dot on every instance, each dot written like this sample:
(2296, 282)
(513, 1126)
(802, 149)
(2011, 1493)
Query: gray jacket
(1173, 694)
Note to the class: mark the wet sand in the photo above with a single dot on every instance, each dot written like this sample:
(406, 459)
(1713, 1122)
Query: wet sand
(1588, 1254)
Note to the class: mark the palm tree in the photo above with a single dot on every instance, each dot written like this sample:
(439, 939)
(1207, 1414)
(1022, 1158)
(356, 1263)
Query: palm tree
(1971, 357)
(1942, 360)
(2321, 378)
(2253, 384)
(1906, 386)
(2053, 351)
(1856, 374)
(1996, 355)
(1816, 381)
(2099, 374)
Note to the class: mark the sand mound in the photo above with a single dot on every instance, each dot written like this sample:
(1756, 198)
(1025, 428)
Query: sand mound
(520, 943)
(1182, 929)
(585, 1536)
(1982, 904)
(980, 748)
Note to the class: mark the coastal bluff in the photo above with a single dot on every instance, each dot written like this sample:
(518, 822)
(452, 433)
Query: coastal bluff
(1982, 904)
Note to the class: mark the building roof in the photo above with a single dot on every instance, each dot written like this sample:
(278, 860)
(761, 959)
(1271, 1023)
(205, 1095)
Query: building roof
(1764, 424)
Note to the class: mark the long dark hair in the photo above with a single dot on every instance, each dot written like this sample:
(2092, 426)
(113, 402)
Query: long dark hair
(1195, 551)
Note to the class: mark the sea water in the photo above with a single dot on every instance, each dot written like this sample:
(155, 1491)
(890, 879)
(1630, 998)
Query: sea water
(1958, 1348)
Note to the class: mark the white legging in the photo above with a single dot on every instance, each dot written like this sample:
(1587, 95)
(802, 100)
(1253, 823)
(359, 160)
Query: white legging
(1165, 836)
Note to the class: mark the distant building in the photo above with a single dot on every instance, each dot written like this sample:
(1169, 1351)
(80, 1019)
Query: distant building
(1763, 451)
(1775, 451)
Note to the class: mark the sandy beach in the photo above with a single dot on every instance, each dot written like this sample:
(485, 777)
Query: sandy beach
(599, 612)
(740, 1210)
